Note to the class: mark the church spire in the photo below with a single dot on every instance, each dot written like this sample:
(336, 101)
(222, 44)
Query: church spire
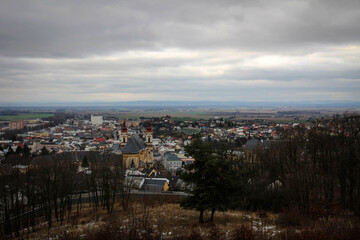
(124, 128)
(149, 129)
(124, 135)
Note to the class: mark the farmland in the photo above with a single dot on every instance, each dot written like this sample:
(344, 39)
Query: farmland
(24, 116)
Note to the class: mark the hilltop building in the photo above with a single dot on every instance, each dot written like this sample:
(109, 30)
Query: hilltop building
(136, 152)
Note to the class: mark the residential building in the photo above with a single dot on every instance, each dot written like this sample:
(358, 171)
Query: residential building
(19, 124)
(97, 120)
(172, 162)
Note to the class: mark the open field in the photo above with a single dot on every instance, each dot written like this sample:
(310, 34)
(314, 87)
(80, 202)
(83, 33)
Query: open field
(176, 117)
(276, 114)
(182, 116)
(24, 116)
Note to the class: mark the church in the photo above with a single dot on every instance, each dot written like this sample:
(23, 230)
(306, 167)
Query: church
(136, 152)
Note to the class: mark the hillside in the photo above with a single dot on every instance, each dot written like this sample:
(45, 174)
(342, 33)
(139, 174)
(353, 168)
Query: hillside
(154, 218)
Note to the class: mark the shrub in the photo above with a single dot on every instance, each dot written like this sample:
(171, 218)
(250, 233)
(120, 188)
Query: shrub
(291, 217)
(242, 233)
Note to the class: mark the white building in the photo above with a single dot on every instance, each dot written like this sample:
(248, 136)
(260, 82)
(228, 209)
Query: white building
(172, 162)
(96, 120)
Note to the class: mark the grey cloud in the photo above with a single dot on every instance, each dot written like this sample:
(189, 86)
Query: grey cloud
(74, 28)
(195, 50)
(79, 78)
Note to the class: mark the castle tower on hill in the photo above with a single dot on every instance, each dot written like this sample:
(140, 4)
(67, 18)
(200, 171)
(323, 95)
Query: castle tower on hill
(136, 152)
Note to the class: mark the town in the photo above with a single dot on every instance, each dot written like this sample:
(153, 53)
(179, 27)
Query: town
(145, 143)
(55, 163)
(180, 120)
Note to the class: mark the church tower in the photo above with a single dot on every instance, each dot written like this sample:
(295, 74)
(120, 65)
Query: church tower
(149, 143)
(124, 135)
(149, 135)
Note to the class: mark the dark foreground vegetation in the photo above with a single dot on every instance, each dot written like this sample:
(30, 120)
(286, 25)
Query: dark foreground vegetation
(311, 168)
(310, 178)
(162, 218)
(51, 189)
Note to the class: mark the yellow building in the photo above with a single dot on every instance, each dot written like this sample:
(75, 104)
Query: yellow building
(137, 153)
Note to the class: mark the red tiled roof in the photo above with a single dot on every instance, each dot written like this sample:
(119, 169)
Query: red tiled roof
(99, 140)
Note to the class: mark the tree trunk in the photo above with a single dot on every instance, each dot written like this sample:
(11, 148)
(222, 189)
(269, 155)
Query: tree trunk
(212, 214)
(78, 206)
(201, 219)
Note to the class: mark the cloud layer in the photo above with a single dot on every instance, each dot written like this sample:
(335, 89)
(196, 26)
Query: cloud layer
(179, 50)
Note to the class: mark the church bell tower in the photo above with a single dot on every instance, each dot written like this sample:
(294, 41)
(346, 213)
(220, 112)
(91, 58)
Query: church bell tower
(124, 135)
(149, 143)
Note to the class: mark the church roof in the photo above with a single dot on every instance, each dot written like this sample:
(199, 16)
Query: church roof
(134, 145)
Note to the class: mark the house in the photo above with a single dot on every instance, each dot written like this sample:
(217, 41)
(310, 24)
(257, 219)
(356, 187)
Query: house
(274, 185)
(97, 120)
(172, 162)
(149, 172)
(155, 185)
(177, 184)
(21, 168)
(134, 179)
(253, 144)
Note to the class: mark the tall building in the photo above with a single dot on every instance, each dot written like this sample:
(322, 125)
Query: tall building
(149, 143)
(19, 124)
(96, 120)
(124, 135)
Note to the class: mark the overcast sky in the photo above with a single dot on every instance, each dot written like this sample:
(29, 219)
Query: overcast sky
(76, 50)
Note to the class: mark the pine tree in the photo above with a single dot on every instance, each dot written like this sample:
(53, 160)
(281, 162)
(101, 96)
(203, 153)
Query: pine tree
(215, 180)
(44, 151)
(85, 162)
(18, 150)
(26, 150)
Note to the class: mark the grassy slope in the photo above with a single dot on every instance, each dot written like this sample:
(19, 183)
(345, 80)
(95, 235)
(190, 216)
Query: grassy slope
(162, 218)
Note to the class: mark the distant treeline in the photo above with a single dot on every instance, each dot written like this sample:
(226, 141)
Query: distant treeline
(18, 113)
(241, 113)
(298, 112)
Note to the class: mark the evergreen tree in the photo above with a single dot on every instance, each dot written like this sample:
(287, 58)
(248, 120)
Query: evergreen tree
(44, 151)
(10, 151)
(18, 150)
(26, 150)
(85, 162)
(215, 180)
